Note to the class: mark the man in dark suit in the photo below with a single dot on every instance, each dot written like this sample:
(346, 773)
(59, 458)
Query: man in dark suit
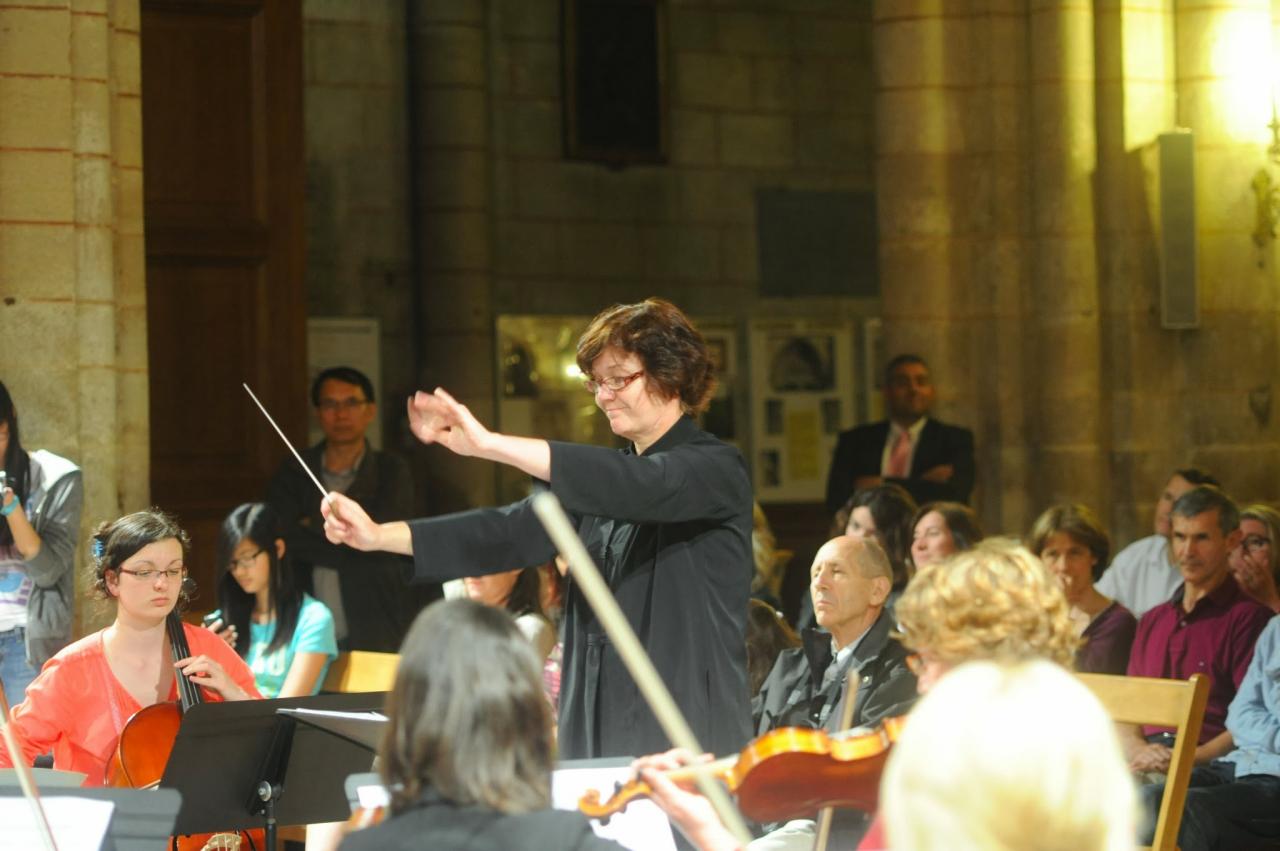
(932, 460)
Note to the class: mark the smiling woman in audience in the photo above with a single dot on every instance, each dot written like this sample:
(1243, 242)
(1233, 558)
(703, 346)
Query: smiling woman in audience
(941, 529)
(1070, 541)
(1254, 561)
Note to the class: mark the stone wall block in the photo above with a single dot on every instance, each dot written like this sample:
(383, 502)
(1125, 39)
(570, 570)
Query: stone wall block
(442, 11)
(94, 203)
(130, 259)
(690, 29)
(556, 190)
(681, 253)
(45, 106)
(771, 86)
(915, 277)
(1224, 195)
(811, 83)
(454, 179)
(754, 33)
(36, 186)
(914, 196)
(702, 198)
(95, 264)
(919, 121)
(126, 60)
(532, 128)
(43, 326)
(131, 337)
(337, 52)
(831, 142)
(739, 255)
(1064, 268)
(527, 249)
(1230, 279)
(452, 54)
(524, 19)
(330, 114)
(756, 141)
(640, 194)
(90, 57)
(711, 80)
(91, 118)
(38, 261)
(35, 41)
(454, 118)
(129, 201)
(693, 138)
(455, 241)
(923, 39)
(600, 250)
(533, 68)
(469, 316)
(95, 332)
(126, 132)
(830, 36)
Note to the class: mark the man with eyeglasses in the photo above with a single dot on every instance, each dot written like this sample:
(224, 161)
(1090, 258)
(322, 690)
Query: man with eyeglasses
(371, 603)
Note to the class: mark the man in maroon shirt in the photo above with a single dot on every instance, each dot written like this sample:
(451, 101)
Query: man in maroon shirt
(1209, 626)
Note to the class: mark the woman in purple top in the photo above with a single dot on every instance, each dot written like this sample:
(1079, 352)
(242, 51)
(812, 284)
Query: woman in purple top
(1071, 543)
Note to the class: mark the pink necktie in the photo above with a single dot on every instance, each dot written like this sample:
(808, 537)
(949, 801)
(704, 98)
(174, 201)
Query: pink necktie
(899, 456)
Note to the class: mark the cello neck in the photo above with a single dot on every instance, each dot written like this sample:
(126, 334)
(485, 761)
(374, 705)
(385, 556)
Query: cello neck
(188, 692)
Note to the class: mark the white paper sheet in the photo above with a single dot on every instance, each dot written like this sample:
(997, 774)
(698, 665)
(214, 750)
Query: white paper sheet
(78, 824)
(641, 827)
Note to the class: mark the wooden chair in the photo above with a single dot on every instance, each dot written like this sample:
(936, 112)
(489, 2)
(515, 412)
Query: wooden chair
(1165, 703)
(362, 671)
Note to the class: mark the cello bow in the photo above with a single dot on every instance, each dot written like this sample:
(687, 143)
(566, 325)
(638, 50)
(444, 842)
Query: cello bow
(846, 720)
(640, 666)
(25, 780)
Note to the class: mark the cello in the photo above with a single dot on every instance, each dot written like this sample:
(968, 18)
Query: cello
(147, 741)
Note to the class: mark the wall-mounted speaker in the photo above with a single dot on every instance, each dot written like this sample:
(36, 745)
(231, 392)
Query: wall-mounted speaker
(1179, 288)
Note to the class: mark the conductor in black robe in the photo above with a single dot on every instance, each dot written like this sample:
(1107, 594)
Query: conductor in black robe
(667, 519)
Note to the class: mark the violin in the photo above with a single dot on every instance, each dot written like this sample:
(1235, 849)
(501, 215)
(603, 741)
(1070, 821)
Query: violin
(784, 774)
(147, 741)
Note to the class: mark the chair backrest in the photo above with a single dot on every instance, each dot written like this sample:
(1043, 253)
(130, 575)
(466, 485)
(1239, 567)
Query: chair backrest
(1165, 703)
(362, 671)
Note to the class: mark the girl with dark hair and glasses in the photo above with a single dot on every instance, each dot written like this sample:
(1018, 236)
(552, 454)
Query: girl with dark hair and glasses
(86, 693)
(40, 499)
(285, 635)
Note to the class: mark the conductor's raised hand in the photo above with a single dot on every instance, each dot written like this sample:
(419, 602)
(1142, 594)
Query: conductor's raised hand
(345, 522)
(439, 418)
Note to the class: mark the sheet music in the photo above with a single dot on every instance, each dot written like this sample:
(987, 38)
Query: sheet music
(78, 824)
(363, 728)
(640, 827)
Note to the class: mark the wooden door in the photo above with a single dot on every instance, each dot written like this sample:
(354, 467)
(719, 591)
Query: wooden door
(224, 194)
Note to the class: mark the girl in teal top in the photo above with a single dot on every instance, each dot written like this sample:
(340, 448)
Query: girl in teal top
(285, 635)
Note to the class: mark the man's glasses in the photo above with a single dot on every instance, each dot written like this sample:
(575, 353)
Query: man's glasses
(614, 385)
(245, 563)
(1253, 543)
(329, 406)
(148, 575)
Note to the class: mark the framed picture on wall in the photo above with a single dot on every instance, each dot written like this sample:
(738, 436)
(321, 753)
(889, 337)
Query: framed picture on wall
(803, 375)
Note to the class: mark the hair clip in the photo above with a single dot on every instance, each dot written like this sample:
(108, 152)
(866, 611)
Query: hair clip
(98, 548)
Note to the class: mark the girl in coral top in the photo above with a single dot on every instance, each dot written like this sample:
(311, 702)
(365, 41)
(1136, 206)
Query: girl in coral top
(86, 694)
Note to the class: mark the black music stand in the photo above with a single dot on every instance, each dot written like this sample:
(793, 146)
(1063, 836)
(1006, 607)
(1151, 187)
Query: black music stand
(141, 821)
(242, 765)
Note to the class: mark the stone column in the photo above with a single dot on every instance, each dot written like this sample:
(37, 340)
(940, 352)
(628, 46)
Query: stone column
(72, 281)
(454, 203)
(1069, 443)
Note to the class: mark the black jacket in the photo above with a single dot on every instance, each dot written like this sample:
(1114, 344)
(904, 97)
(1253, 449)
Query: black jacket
(792, 694)
(859, 452)
(378, 604)
(441, 826)
(671, 532)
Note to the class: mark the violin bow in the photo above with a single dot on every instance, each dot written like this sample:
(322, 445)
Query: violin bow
(827, 814)
(624, 639)
(25, 780)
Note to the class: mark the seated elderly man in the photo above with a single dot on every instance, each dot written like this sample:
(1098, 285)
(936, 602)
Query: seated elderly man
(995, 602)
(849, 583)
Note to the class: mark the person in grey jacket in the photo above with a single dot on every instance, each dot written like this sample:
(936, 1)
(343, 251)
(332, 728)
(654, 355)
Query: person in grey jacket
(39, 525)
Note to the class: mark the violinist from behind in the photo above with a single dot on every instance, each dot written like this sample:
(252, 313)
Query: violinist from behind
(86, 694)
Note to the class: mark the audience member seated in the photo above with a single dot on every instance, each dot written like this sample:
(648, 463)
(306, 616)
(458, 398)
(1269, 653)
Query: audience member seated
(40, 499)
(770, 562)
(1209, 626)
(1071, 542)
(519, 592)
(941, 529)
(285, 635)
(974, 768)
(768, 634)
(86, 694)
(932, 460)
(849, 584)
(1234, 802)
(469, 747)
(1145, 573)
(994, 602)
(1254, 561)
(884, 513)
